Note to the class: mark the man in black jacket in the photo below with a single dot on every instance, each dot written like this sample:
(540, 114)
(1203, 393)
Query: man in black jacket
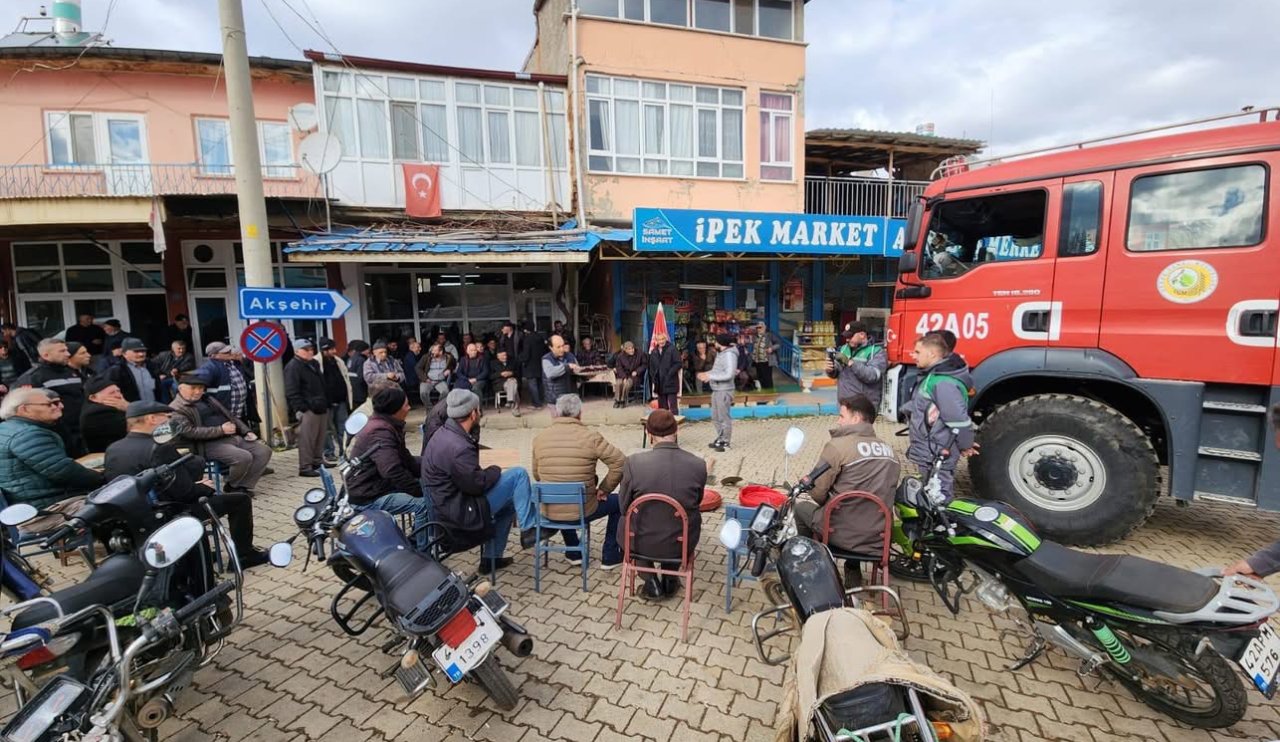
(102, 420)
(137, 451)
(135, 377)
(388, 478)
(357, 354)
(22, 342)
(476, 505)
(532, 346)
(53, 374)
(87, 334)
(664, 374)
(337, 390)
(308, 404)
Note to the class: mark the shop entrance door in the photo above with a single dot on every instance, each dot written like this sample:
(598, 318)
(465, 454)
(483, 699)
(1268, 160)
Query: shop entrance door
(210, 321)
(148, 320)
(537, 308)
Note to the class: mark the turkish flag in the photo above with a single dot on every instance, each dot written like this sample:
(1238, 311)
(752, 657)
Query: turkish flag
(421, 190)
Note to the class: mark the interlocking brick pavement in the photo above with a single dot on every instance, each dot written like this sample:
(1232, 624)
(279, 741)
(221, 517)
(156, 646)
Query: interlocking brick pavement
(289, 673)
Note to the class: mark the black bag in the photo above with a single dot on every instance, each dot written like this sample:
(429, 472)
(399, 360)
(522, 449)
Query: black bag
(467, 523)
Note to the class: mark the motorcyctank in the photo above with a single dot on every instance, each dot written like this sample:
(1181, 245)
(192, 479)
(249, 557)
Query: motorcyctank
(809, 576)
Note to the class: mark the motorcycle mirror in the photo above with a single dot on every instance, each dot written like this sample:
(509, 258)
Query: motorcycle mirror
(163, 434)
(16, 515)
(356, 423)
(171, 541)
(731, 534)
(281, 554)
(794, 440)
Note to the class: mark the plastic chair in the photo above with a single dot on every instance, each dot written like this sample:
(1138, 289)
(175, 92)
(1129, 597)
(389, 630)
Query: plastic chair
(880, 562)
(630, 569)
(735, 572)
(547, 493)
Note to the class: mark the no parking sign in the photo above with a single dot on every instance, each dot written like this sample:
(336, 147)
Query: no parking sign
(263, 342)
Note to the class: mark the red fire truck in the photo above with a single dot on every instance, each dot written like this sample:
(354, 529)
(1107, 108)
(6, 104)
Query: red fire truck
(1117, 305)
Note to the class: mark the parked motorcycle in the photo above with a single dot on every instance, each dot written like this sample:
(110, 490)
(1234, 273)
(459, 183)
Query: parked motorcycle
(130, 693)
(853, 679)
(1167, 634)
(429, 609)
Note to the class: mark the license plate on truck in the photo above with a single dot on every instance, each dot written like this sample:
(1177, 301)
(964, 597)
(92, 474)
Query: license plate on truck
(472, 651)
(1261, 660)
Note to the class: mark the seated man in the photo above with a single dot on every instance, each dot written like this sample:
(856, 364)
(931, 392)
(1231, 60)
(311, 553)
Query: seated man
(473, 371)
(568, 451)
(34, 465)
(388, 478)
(220, 436)
(137, 452)
(669, 470)
(589, 357)
(627, 367)
(860, 462)
(476, 506)
(102, 418)
(503, 375)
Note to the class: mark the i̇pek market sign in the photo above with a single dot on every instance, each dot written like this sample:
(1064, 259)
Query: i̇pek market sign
(696, 231)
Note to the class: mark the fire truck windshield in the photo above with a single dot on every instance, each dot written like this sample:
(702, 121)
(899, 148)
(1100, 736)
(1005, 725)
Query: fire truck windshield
(966, 233)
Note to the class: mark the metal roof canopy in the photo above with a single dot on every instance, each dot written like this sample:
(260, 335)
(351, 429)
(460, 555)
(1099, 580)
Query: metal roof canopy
(842, 151)
(565, 245)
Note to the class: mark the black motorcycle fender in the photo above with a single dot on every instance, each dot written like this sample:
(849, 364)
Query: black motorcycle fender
(1231, 644)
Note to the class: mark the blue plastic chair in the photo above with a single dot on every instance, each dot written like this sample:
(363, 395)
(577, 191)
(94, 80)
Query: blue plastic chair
(546, 493)
(735, 572)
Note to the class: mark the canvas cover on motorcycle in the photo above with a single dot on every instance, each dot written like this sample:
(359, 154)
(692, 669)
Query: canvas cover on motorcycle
(847, 648)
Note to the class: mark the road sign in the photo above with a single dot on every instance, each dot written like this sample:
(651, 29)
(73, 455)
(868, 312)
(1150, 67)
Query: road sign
(263, 342)
(292, 304)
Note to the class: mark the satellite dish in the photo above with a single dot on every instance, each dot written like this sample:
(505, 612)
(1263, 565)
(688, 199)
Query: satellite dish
(303, 117)
(319, 152)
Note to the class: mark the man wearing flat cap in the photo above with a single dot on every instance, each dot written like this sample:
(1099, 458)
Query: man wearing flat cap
(136, 379)
(308, 404)
(217, 435)
(665, 469)
(138, 451)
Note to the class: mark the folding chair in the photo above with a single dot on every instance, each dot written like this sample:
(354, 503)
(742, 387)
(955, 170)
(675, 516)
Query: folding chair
(734, 571)
(879, 561)
(630, 569)
(29, 545)
(574, 494)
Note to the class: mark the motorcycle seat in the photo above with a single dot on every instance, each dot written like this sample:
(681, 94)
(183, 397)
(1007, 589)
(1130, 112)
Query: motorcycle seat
(407, 577)
(1118, 578)
(118, 578)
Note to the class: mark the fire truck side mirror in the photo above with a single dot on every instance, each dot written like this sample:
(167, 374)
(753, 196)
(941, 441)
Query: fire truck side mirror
(911, 237)
(908, 263)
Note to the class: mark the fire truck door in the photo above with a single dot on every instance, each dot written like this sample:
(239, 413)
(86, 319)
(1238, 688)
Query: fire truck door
(1080, 269)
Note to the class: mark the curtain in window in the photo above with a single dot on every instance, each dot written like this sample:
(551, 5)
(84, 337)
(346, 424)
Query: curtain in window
(528, 139)
(558, 140)
(342, 123)
(627, 121)
(598, 123)
(435, 133)
(372, 117)
(215, 152)
(655, 136)
(731, 119)
(277, 150)
(499, 137)
(781, 139)
(471, 135)
(707, 133)
(404, 132)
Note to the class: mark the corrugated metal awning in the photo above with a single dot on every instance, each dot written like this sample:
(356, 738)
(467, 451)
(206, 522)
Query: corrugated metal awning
(565, 245)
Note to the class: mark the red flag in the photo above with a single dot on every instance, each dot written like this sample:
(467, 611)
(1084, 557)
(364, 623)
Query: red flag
(659, 327)
(421, 190)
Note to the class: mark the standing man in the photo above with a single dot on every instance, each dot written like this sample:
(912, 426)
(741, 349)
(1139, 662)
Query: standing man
(508, 340)
(939, 410)
(80, 360)
(721, 378)
(627, 367)
(357, 354)
(532, 346)
(664, 374)
(180, 330)
(304, 390)
(382, 365)
(87, 334)
(863, 371)
(220, 436)
(135, 378)
(115, 337)
(762, 356)
(558, 368)
(22, 342)
(53, 374)
(337, 389)
(502, 375)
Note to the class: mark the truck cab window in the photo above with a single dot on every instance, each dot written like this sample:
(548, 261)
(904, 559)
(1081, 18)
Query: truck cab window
(1081, 218)
(965, 233)
(1222, 207)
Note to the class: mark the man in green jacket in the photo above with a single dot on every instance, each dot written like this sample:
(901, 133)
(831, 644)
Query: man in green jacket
(34, 465)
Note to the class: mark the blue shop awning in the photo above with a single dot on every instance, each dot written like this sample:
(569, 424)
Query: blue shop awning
(565, 245)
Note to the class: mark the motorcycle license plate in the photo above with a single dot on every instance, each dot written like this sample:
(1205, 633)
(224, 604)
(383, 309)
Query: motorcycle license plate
(1261, 660)
(472, 651)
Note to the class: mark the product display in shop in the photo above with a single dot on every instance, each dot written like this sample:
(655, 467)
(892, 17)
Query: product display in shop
(814, 338)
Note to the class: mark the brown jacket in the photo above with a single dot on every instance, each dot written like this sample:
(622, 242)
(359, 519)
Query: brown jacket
(859, 462)
(664, 469)
(188, 425)
(567, 452)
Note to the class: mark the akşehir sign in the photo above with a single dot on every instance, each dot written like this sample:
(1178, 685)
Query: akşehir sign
(691, 230)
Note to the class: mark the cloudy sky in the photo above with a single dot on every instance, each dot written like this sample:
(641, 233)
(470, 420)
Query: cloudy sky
(1018, 74)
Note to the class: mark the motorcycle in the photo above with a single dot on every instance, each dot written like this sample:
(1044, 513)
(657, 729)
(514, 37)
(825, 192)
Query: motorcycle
(459, 621)
(853, 679)
(130, 693)
(1167, 634)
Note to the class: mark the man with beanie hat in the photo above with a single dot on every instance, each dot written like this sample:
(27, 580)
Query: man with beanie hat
(476, 505)
(721, 378)
(669, 470)
(52, 373)
(218, 435)
(388, 478)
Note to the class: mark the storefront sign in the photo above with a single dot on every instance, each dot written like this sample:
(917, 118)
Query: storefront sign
(690, 230)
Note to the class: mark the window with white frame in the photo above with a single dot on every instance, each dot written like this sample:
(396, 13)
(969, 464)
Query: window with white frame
(275, 148)
(93, 139)
(647, 127)
(774, 19)
(71, 138)
(776, 136)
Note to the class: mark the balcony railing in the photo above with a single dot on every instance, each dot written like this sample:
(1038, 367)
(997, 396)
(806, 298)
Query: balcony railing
(860, 196)
(146, 180)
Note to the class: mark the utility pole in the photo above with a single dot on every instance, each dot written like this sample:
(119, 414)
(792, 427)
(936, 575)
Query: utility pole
(254, 231)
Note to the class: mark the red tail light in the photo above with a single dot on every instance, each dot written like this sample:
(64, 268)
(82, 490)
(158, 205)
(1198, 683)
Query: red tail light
(56, 647)
(458, 629)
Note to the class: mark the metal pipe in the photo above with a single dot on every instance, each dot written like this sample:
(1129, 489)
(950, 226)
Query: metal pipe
(574, 87)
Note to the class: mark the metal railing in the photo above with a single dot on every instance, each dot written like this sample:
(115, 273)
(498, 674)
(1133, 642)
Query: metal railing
(860, 196)
(147, 179)
(790, 357)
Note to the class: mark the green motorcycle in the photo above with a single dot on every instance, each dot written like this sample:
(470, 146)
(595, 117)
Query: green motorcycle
(1167, 634)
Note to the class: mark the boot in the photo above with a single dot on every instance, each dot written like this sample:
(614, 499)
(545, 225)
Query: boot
(654, 588)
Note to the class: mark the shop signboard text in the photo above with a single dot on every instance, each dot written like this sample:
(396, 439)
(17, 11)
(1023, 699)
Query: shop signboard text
(692, 230)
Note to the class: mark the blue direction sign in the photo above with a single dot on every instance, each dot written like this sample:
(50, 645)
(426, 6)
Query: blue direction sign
(292, 304)
(263, 342)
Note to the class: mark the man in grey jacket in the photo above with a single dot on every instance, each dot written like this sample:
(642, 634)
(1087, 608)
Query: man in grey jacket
(861, 371)
(721, 378)
(939, 409)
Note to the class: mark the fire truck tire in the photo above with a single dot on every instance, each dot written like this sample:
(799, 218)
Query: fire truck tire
(1083, 473)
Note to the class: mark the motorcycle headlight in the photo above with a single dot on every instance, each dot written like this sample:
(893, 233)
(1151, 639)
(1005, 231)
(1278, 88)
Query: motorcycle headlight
(764, 519)
(305, 516)
(315, 496)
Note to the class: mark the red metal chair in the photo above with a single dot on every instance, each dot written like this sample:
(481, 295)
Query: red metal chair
(880, 562)
(630, 569)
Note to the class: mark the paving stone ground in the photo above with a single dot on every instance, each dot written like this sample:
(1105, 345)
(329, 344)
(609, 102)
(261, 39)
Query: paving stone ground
(288, 673)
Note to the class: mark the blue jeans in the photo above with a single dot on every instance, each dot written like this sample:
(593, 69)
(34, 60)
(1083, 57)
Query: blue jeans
(611, 551)
(399, 503)
(510, 496)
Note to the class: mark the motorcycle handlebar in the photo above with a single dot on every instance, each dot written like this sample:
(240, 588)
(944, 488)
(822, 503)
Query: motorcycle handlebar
(62, 532)
(758, 563)
(195, 607)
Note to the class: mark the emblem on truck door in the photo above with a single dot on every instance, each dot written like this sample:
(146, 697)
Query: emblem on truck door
(1187, 281)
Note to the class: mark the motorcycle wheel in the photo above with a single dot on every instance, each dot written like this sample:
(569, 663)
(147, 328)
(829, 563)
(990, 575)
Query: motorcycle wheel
(774, 594)
(1164, 673)
(904, 566)
(494, 680)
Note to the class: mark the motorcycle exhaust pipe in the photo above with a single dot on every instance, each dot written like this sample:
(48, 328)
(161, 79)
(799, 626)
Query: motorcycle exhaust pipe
(1060, 637)
(515, 638)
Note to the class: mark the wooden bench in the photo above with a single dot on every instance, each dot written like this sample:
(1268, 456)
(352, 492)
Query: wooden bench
(704, 400)
(762, 397)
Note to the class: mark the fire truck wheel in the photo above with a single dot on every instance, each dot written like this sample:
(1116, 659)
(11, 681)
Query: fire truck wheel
(1080, 471)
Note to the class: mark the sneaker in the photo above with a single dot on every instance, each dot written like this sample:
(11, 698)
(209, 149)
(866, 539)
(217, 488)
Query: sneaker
(308, 473)
(608, 564)
(714, 444)
(330, 462)
(574, 558)
(515, 412)
(487, 565)
(718, 448)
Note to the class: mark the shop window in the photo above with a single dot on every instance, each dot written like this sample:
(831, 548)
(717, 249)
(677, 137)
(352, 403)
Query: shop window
(35, 255)
(526, 282)
(140, 253)
(1197, 209)
(488, 296)
(44, 281)
(207, 279)
(143, 279)
(439, 296)
(84, 253)
(389, 296)
(101, 309)
(304, 277)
